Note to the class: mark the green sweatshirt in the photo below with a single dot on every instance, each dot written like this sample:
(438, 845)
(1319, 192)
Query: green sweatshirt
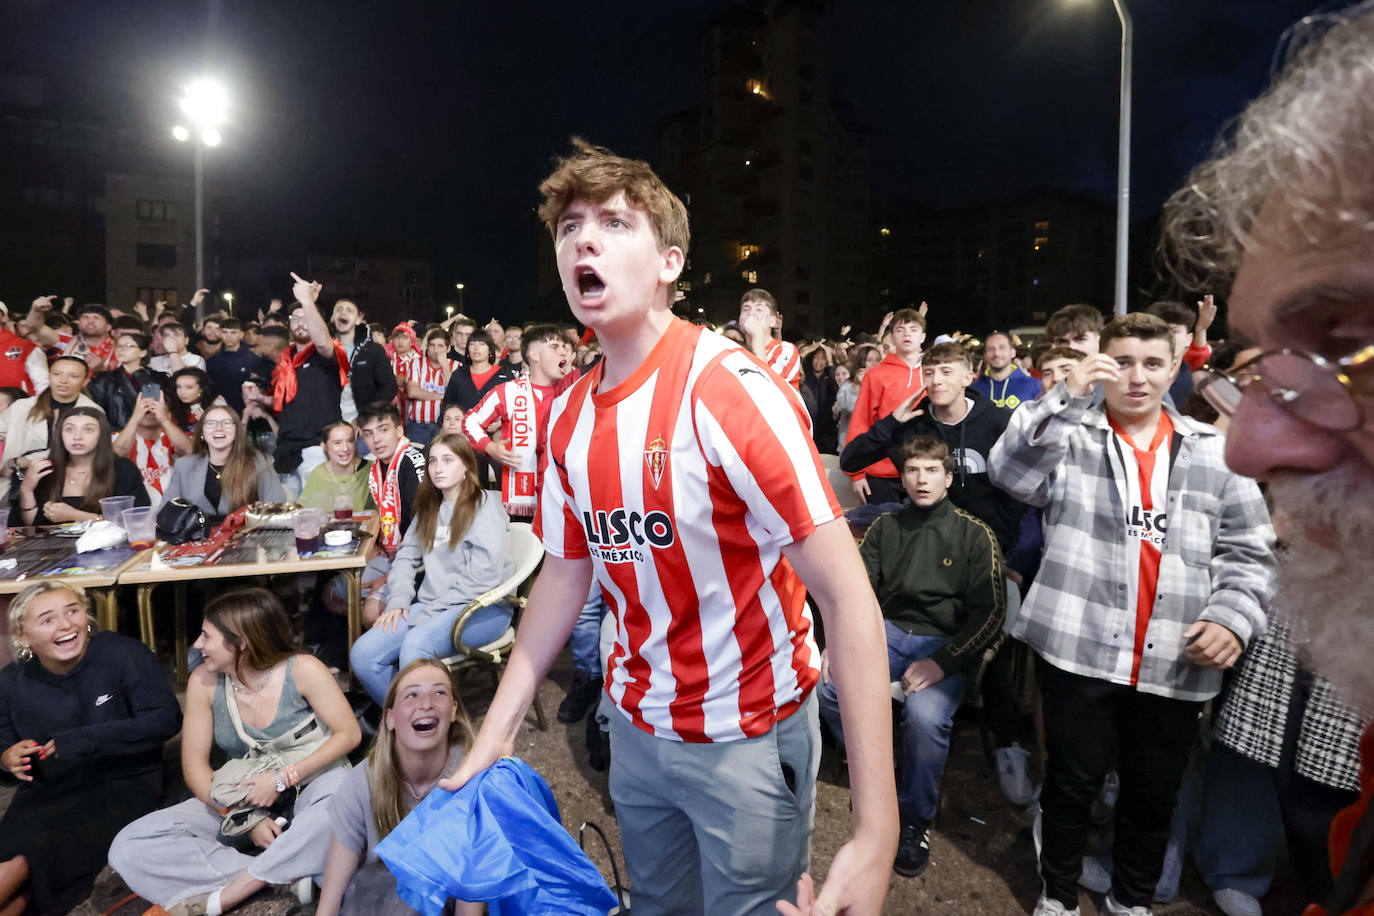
(938, 572)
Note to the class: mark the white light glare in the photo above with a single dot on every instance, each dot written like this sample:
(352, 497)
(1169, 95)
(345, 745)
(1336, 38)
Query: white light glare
(205, 103)
(181, 133)
(210, 137)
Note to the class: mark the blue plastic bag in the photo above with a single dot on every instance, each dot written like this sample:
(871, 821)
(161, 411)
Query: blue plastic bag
(497, 840)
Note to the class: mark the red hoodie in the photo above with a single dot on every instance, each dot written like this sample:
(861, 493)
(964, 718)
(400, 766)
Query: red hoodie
(884, 386)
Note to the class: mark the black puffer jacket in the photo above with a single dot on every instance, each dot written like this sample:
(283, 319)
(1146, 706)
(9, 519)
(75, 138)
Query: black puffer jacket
(116, 392)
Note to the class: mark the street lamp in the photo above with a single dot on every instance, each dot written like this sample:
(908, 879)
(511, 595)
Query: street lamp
(205, 105)
(448, 310)
(229, 300)
(459, 287)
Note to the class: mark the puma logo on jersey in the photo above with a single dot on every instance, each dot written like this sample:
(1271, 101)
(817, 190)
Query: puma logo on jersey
(748, 369)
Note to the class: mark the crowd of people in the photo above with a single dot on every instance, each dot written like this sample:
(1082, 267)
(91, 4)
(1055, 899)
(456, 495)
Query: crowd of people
(1149, 566)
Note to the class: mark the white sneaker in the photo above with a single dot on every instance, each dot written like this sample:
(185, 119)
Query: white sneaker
(1095, 876)
(1013, 774)
(1111, 906)
(1237, 903)
(1048, 906)
(304, 889)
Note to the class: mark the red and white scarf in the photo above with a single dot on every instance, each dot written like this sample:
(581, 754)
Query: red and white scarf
(518, 483)
(386, 493)
(154, 459)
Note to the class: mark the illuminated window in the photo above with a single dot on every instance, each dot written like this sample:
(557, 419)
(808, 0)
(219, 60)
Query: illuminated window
(1042, 226)
(750, 276)
(884, 232)
(757, 88)
(706, 280)
(1041, 241)
(746, 251)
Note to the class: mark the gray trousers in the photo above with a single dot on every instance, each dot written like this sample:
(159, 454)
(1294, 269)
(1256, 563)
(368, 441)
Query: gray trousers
(175, 853)
(716, 828)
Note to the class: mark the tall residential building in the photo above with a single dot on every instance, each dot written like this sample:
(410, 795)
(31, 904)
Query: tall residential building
(996, 265)
(385, 289)
(775, 177)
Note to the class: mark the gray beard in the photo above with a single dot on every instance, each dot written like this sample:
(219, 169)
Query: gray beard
(1324, 592)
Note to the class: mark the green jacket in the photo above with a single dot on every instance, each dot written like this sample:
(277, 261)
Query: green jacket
(938, 572)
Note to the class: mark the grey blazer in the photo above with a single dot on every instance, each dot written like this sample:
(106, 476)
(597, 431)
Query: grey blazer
(188, 483)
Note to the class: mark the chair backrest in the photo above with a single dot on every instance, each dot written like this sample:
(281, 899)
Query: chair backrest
(829, 461)
(842, 485)
(526, 550)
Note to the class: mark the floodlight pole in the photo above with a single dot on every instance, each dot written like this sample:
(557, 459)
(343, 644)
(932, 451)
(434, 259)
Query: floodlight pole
(1123, 162)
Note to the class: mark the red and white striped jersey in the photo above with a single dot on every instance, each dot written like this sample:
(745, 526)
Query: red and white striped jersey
(75, 345)
(496, 406)
(403, 364)
(782, 358)
(684, 483)
(154, 459)
(430, 378)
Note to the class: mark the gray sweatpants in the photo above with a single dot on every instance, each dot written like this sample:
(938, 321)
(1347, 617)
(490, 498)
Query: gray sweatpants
(716, 828)
(175, 853)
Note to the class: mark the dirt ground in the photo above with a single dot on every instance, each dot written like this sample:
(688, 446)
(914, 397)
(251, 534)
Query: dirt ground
(982, 859)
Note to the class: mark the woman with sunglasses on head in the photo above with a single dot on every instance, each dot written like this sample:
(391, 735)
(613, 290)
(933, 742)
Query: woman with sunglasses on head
(422, 737)
(83, 718)
(255, 686)
(28, 426)
(118, 391)
(460, 536)
(83, 470)
(224, 472)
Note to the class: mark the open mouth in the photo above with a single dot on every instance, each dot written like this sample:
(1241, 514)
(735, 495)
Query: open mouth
(66, 640)
(425, 726)
(589, 282)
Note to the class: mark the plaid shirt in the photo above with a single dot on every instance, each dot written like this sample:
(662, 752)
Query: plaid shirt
(1218, 559)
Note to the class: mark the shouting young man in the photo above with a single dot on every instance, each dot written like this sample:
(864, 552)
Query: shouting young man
(682, 476)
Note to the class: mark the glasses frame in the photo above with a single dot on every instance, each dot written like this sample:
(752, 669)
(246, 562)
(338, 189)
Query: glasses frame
(1248, 372)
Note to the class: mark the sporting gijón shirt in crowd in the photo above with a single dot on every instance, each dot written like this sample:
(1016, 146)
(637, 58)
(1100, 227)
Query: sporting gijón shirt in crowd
(782, 358)
(430, 378)
(683, 484)
(1146, 479)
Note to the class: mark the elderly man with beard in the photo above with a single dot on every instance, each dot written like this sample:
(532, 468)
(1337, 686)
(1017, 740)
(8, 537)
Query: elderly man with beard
(1286, 208)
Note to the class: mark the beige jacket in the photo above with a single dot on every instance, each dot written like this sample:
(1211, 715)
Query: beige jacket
(22, 435)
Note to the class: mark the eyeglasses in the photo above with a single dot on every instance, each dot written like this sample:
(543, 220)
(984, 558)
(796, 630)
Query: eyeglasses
(217, 424)
(1316, 389)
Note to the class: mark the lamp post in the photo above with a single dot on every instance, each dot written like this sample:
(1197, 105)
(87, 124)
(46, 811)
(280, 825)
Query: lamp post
(1123, 160)
(229, 300)
(205, 104)
(459, 287)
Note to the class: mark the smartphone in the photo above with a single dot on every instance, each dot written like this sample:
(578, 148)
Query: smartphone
(151, 390)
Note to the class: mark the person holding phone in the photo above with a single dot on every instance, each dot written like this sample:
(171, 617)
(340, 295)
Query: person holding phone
(117, 391)
(83, 470)
(152, 439)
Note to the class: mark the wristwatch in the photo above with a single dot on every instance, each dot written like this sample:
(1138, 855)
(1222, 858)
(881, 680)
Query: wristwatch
(281, 784)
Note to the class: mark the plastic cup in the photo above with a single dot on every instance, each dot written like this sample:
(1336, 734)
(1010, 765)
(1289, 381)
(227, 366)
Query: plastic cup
(112, 508)
(306, 524)
(141, 525)
(343, 504)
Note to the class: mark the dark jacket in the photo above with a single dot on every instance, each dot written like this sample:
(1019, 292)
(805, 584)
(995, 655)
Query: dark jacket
(938, 572)
(823, 390)
(464, 392)
(369, 373)
(116, 392)
(970, 441)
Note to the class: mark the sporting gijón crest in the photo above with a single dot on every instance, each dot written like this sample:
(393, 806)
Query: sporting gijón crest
(656, 457)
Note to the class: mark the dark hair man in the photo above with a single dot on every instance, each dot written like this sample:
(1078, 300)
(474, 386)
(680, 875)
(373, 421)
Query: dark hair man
(1158, 568)
(1077, 326)
(886, 385)
(1283, 215)
(677, 451)
(370, 378)
(937, 572)
(1003, 382)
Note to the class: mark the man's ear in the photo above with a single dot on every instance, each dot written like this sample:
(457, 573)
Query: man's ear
(673, 262)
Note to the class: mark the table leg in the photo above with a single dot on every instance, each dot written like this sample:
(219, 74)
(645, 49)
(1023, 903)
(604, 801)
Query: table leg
(179, 663)
(145, 616)
(106, 608)
(354, 580)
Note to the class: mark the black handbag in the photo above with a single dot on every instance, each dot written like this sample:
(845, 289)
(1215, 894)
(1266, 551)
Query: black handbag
(178, 522)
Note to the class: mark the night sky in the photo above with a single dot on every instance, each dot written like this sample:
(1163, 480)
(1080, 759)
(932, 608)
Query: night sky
(422, 129)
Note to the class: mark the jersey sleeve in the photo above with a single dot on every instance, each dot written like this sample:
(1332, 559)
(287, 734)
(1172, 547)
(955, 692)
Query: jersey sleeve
(862, 417)
(555, 520)
(491, 408)
(755, 429)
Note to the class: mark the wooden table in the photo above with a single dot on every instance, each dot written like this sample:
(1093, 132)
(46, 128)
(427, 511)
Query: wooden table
(99, 583)
(147, 573)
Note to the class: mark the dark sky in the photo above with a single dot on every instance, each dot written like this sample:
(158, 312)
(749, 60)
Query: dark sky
(423, 128)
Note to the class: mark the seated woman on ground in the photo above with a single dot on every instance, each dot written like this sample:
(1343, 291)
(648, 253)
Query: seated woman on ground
(254, 684)
(423, 735)
(225, 472)
(193, 393)
(343, 472)
(83, 718)
(459, 534)
(83, 470)
(27, 426)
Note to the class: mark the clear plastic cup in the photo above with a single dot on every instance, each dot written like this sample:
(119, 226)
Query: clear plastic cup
(343, 504)
(112, 508)
(306, 525)
(141, 525)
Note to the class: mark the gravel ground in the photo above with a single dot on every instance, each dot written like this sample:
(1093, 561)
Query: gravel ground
(982, 861)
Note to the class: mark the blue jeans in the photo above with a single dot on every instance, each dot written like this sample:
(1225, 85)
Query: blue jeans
(586, 634)
(421, 434)
(927, 717)
(1240, 832)
(379, 654)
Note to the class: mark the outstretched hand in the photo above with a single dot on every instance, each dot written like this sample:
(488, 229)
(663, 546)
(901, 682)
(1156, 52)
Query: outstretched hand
(906, 410)
(306, 292)
(1206, 313)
